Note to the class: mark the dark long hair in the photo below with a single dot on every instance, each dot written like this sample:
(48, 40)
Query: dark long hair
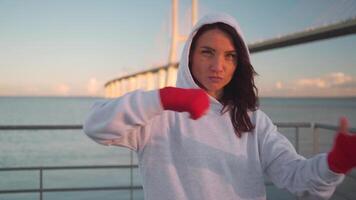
(240, 94)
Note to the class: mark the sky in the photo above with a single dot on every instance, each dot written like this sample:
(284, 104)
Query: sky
(73, 47)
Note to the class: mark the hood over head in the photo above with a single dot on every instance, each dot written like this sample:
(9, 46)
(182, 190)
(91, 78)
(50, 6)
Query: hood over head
(184, 77)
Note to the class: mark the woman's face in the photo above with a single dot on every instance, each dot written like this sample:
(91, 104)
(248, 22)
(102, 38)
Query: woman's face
(213, 61)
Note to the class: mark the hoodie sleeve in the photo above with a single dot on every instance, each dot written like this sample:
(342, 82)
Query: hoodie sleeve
(124, 121)
(308, 178)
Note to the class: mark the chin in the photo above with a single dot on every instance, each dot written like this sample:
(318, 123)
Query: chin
(213, 89)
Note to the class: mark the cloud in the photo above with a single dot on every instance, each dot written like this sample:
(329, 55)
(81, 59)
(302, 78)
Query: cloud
(332, 84)
(279, 85)
(340, 78)
(336, 79)
(33, 89)
(62, 89)
(93, 86)
(316, 82)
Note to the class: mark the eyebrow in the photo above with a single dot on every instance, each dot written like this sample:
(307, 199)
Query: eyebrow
(206, 47)
(209, 48)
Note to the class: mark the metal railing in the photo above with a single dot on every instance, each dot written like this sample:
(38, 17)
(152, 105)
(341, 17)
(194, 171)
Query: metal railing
(314, 126)
(41, 189)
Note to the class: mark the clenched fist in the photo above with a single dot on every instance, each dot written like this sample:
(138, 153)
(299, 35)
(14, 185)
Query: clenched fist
(194, 101)
(342, 157)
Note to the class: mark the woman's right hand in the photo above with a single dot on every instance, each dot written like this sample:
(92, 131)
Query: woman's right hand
(194, 101)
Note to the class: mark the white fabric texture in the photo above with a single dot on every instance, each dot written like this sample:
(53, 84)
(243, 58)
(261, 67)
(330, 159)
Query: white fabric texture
(184, 159)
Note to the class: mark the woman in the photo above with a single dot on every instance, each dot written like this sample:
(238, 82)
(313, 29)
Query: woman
(206, 138)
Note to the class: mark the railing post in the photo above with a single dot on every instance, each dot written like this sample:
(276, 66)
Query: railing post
(297, 139)
(131, 175)
(41, 183)
(315, 138)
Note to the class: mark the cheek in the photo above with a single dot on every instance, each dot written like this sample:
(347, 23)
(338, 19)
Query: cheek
(230, 72)
(198, 66)
(199, 72)
(196, 71)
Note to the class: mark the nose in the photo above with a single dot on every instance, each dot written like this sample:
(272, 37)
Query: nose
(217, 64)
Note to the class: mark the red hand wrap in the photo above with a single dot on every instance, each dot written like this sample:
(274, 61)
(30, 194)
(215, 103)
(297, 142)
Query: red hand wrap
(342, 157)
(194, 101)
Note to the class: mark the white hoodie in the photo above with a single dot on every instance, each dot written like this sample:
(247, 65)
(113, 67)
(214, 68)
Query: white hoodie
(184, 159)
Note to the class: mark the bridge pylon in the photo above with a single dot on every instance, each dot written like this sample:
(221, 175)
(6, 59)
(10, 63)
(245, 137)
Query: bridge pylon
(161, 76)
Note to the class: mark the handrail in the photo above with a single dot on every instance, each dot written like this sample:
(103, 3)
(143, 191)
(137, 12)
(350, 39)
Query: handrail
(61, 127)
(41, 189)
(293, 124)
(41, 169)
(332, 127)
(68, 167)
(71, 189)
(40, 127)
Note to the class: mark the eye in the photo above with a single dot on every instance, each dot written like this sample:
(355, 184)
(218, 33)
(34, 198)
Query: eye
(207, 52)
(231, 56)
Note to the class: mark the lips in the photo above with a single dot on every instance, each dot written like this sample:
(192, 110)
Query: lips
(215, 79)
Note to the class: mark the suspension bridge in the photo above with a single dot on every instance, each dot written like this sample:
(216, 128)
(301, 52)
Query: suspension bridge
(162, 76)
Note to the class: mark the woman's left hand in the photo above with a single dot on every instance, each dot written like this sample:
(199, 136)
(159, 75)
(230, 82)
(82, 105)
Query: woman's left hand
(342, 157)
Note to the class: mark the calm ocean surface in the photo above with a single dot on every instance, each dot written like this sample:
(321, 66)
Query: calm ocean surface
(72, 147)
